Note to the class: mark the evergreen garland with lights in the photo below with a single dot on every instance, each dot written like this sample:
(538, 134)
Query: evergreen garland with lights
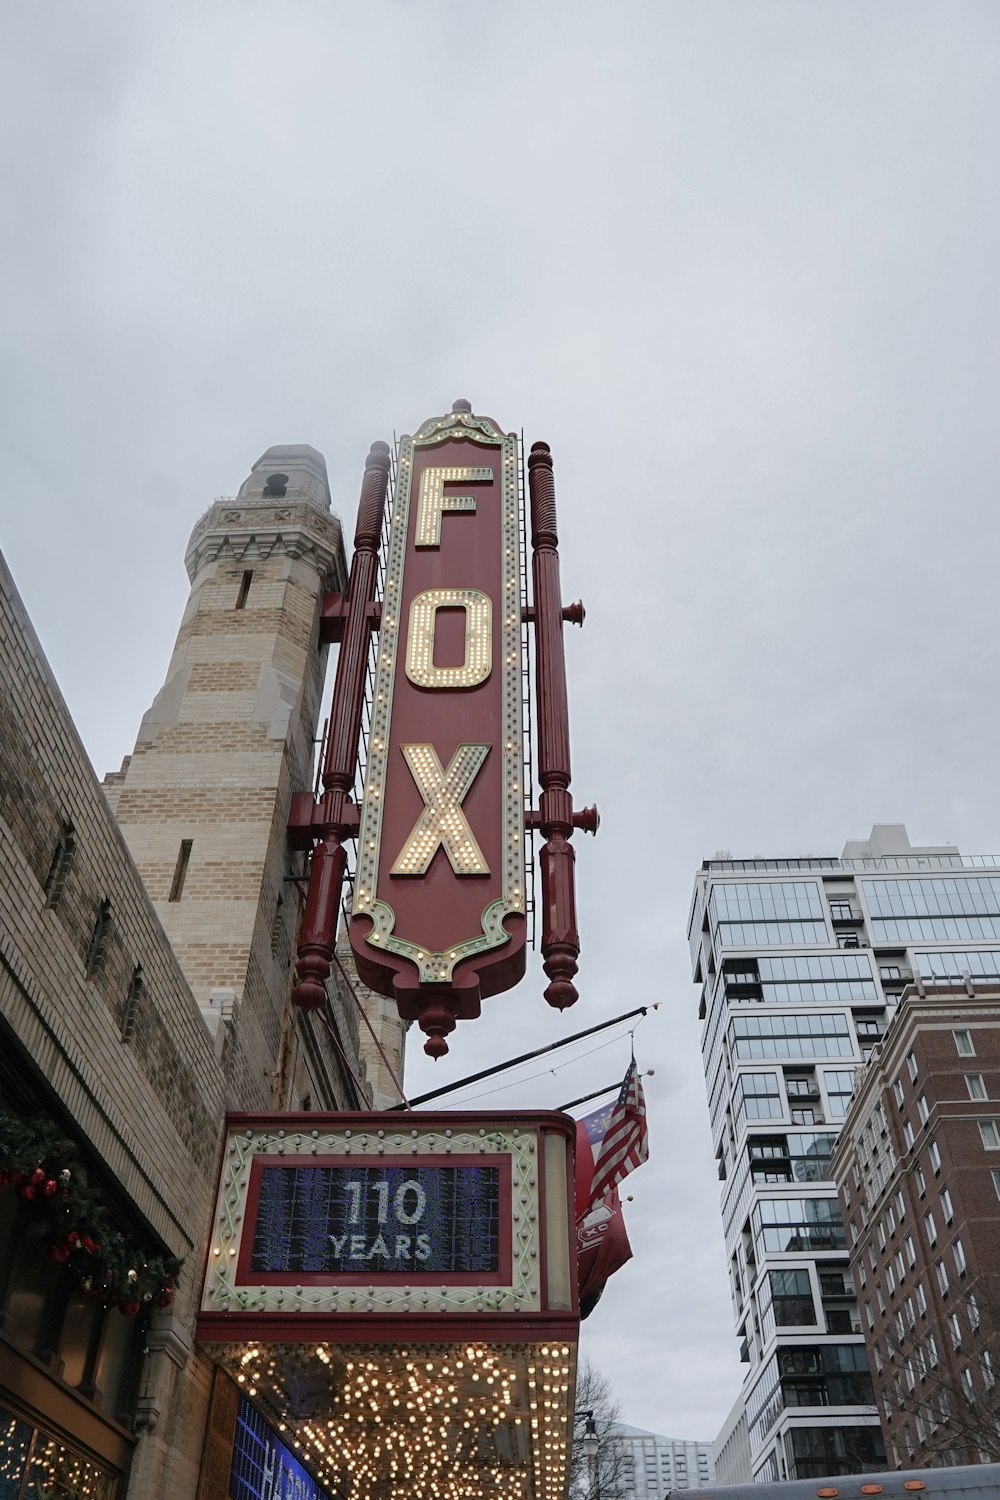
(44, 1168)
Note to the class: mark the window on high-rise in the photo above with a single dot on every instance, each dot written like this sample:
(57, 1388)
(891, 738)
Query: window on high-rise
(950, 910)
(757, 1096)
(838, 1084)
(804, 979)
(815, 1452)
(786, 1224)
(754, 915)
(964, 1044)
(808, 1035)
(954, 965)
(990, 1132)
(792, 1298)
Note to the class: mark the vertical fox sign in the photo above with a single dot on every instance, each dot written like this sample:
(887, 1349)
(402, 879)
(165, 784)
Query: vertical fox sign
(439, 900)
(438, 917)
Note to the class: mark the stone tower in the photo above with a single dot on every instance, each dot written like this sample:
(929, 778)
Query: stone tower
(203, 800)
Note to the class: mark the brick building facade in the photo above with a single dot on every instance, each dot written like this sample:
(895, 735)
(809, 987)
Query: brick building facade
(918, 1172)
(145, 981)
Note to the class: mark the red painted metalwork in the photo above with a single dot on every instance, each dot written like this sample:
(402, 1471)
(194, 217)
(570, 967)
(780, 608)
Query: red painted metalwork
(405, 923)
(406, 1330)
(555, 818)
(336, 817)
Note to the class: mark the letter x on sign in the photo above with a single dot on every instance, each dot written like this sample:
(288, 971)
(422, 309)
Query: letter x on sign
(442, 820)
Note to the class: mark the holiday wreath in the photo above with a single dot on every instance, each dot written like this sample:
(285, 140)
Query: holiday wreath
(44, 1168)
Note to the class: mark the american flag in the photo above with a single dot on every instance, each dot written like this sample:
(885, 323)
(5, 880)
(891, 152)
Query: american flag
(626, 1141)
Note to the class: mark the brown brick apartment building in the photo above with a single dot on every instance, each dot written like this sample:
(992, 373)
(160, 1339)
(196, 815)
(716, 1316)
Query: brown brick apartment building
(917, 1166)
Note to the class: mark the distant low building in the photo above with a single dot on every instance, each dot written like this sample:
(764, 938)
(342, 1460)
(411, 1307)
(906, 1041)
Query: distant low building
(661, 1464)
(731, 1450)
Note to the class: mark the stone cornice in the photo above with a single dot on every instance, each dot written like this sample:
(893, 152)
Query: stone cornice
(247, 530)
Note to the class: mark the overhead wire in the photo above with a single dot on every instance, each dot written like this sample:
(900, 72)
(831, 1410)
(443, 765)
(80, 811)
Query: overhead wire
(558, 1068)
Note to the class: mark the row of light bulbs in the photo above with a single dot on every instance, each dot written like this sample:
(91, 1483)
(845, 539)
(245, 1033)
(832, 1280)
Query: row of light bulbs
(365, 1436)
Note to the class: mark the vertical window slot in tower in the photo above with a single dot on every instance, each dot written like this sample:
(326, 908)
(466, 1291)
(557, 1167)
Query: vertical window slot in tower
(181, 869)
(62, 859)
(98, 950)
(241, 598)
(132, 1003)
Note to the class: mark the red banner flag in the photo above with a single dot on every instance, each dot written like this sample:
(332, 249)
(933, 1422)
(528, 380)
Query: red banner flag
(602, 1245)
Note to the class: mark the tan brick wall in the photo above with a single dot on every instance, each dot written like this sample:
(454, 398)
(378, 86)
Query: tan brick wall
(126, 1099)
(224, 745)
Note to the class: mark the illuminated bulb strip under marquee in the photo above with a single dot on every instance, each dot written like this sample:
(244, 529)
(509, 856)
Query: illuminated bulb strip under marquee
(438, 967)
(458, 1421)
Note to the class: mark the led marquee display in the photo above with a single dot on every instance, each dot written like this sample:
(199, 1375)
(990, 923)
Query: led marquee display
(343, 1218)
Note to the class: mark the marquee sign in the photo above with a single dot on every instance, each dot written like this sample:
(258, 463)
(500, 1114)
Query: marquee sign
(354, 1219)
(397, 1297)
(438, 915)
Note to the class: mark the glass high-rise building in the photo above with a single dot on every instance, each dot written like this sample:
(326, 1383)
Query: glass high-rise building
(800, 963)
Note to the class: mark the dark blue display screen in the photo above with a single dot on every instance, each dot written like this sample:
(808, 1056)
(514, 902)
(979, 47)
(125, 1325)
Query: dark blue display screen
(263, 1467)
(364, 1220)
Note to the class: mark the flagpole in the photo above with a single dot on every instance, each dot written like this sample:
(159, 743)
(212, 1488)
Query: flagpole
(513, 1062)
(612, 1088)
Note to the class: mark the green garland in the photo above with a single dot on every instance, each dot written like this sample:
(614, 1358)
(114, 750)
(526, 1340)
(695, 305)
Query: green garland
(44, 1168)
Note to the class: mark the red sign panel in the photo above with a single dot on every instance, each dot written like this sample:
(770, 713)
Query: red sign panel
(439, 901)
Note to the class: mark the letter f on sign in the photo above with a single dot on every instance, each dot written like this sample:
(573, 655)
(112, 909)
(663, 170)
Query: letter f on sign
(442, 820)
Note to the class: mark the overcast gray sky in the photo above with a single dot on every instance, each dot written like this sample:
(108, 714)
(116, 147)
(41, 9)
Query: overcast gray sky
(737, 262)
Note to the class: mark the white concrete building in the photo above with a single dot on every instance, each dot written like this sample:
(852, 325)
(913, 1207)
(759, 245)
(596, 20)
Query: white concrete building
(662, 1464)
(800, 962)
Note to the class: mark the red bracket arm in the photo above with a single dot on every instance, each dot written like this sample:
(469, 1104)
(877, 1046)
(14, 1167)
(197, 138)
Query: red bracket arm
(555, 817)
(349, 619)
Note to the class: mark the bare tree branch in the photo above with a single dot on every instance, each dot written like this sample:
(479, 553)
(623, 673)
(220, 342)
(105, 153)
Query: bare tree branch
(609, 1474)
(945, 1379)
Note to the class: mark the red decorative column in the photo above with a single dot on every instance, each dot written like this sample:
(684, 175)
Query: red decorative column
(555, 817)
(336, 816)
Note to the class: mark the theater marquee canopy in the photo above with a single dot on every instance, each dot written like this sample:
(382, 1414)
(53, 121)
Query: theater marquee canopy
(398, 1295)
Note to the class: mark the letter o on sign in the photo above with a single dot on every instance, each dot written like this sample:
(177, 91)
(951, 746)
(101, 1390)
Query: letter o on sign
(477, 662)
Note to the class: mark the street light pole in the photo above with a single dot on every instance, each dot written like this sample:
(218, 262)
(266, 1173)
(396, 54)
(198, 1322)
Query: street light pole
(591, 1445)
